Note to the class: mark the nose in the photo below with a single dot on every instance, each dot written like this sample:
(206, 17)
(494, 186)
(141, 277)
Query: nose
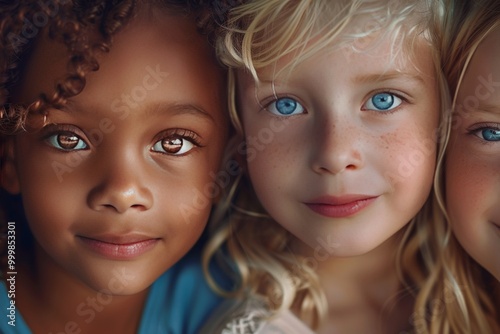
(337, 147)
(120, 188)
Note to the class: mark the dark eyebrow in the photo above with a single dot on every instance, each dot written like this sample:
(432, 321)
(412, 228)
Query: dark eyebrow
(387, 76)
(177, 109)
(152, 109)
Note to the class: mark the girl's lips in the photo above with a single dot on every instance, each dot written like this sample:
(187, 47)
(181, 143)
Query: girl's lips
(119, 248)
(340, 207)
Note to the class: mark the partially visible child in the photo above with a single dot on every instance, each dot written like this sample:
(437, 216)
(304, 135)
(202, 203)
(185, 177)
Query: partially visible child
(340, 104)
(469, 174)
(473, 153)
(113, 125)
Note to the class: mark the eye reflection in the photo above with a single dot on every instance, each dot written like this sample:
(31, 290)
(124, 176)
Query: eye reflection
(285, 106)
(67, 141)
(175, 145)
(383, 102)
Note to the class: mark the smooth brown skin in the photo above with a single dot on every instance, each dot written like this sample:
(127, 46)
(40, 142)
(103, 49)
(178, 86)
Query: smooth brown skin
(122, 183)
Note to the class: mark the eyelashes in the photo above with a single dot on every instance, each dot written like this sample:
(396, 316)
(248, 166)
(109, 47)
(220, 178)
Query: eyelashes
(176, 142)
(68, 138)
(487, 132)
(381, 102)
(285, 106)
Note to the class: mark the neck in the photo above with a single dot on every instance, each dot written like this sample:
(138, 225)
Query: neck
(52, 300)
(364, 293)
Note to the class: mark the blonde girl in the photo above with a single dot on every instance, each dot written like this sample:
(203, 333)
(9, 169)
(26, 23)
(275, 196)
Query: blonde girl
(468, 174)
(340, 106)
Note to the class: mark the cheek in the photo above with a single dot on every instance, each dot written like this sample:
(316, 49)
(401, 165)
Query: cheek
(468, 184)
(409, 155)
(42, 193)
(187, 201)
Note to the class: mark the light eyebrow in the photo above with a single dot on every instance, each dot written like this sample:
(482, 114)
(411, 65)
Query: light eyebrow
(388, 76)
(488, 109)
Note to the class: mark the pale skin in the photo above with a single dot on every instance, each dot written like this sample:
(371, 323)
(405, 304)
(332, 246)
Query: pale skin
(158, 102)
(473, 158)
(356, 173)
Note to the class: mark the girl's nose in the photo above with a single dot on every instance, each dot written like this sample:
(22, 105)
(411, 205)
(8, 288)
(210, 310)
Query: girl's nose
(121, 188)
(337, 147)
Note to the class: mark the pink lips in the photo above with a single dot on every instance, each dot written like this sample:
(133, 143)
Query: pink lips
(340, 207)
(119, 247)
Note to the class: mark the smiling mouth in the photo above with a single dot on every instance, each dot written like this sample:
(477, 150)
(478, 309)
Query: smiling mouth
(119, 248)
(333, 207)
(497, 226)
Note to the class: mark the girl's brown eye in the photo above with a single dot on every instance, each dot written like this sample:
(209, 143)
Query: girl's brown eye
(172, 145)
(67, 141)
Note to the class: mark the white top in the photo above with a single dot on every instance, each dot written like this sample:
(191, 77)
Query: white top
(252, 317)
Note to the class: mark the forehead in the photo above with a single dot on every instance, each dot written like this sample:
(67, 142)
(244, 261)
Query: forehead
(367, 59)
(170, 44)
(484, 67)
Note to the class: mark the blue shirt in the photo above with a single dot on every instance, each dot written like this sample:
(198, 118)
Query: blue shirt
(178, 302)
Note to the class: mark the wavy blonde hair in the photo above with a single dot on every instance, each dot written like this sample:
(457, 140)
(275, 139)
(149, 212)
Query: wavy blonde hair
(257, 34)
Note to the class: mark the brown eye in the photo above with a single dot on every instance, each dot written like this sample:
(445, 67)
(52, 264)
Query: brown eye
(67, 141)
(175, 145)
(172, 145)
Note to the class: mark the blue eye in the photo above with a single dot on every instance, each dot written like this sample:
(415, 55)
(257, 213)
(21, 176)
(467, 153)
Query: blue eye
(383, 102)
(67, 141)
(285, 106)
(173, 145)
(489, 134)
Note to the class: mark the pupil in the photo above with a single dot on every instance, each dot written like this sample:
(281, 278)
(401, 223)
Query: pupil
(172, 145)
(286, 106)
(67, 142)
(491, 134)
(383, 101)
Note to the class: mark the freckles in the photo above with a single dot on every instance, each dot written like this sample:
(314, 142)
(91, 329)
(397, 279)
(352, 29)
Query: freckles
(392, 143)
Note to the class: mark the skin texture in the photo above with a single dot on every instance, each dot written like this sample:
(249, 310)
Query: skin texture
(335, 149)
(338, 147)
(473, 158)
(159, 87)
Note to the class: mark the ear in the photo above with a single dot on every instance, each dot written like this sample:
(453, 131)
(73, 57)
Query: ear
(8, 173)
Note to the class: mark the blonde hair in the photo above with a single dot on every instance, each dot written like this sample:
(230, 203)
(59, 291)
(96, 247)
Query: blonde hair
(257, 34)
(458, 279)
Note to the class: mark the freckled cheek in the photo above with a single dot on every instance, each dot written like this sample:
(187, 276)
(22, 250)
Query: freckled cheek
(416, 149)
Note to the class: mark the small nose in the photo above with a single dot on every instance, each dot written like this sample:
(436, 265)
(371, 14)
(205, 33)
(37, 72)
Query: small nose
(337, 148)
(120, 190)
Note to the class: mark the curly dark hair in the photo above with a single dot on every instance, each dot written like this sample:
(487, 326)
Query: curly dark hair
(74, 24)
(69, 22)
